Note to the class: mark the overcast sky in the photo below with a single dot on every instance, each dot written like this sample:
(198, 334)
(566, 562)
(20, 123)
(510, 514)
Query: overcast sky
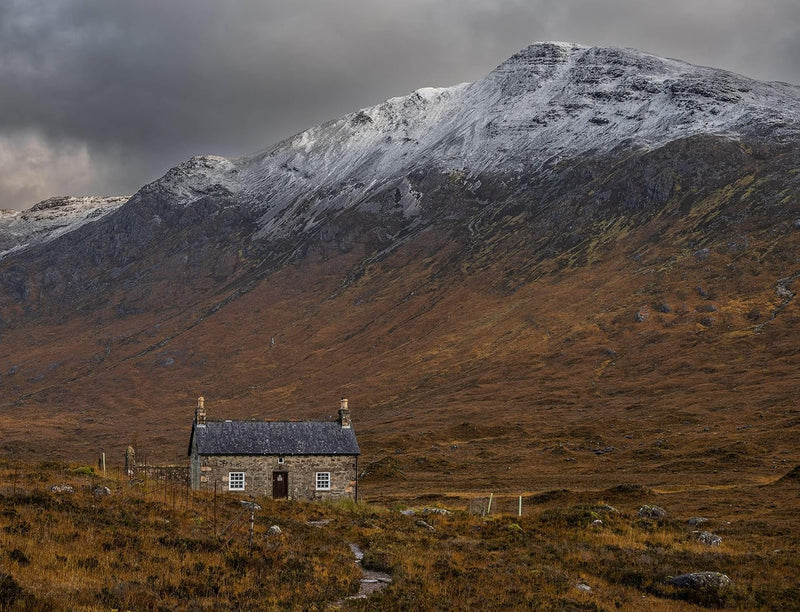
(100, 97)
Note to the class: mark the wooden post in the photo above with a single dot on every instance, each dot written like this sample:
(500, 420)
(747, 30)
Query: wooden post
(215, 508)
(489, 508)
(103, 463)
(519, 512)
(252, 521)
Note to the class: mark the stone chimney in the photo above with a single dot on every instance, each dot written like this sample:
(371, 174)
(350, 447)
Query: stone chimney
(200, 413)
(344, 414)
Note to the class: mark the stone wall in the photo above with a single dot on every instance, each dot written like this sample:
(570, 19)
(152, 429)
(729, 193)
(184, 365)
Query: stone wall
(301, 470)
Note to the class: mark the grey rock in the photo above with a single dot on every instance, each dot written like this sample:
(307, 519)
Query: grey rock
(422, 523)
(62, 488)
(701, 254)
(441, 511)
(582, 586)
(408, 512)
(664, 308)
(696, 521)
(274, 531)
(640, 316)
(652, 512)
(597, 523)
(701, 581)
(101, 491)
(706, 537)
(357, 552)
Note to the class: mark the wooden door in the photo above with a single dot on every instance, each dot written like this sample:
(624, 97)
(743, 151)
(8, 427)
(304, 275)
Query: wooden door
(280, 485)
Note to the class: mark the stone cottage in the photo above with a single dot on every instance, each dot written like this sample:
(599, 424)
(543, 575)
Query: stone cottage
(280, 459)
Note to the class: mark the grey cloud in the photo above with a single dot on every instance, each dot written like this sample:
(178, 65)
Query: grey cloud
(137, 87)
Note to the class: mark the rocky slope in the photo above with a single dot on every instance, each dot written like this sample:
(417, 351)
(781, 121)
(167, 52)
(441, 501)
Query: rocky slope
(50, 219)
(587, 249)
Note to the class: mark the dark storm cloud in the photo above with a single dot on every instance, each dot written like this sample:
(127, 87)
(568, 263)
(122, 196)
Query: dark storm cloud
(99, 97)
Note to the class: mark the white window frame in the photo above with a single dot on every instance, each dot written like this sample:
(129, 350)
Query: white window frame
(322, 481)
(235, 481)
(281, 460)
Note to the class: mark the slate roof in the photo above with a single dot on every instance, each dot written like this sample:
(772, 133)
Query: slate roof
(274, 438)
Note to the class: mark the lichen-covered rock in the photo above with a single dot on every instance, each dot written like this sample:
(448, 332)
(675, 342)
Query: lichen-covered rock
(652, 512)
(701, 581)
(274, 531)
(436, 511)
(706, 537)
(696, 521)
(62, 488)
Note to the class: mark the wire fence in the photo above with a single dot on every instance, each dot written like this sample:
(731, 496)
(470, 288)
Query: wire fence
(510, 505)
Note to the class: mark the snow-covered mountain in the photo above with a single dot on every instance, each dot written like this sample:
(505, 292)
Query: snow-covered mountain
(50, 219)
(452, 156)
(547, 103)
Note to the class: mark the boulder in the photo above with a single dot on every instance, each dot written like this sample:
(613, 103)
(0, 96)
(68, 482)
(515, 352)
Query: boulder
(696, 521)
(436, 511)
(706, 537)
(274, 531)
(652, 512)
(62, 488)
(101, 491)
(701, 581)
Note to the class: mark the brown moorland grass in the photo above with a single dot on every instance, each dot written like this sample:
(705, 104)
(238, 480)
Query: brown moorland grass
(144, 547)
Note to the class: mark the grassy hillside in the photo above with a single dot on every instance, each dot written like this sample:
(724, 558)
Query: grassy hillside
(142, 545)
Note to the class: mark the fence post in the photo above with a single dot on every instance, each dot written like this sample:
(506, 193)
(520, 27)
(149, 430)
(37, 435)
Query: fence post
(489, 508)
(252, 521)
(519, 511)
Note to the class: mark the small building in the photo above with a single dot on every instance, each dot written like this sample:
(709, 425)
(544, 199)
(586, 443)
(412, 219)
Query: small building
(280, 459)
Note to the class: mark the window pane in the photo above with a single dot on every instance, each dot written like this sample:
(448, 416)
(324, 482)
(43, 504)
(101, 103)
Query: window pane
(236, 481)
(323, 481)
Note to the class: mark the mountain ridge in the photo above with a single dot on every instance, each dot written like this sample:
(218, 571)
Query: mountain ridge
(547, 102)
